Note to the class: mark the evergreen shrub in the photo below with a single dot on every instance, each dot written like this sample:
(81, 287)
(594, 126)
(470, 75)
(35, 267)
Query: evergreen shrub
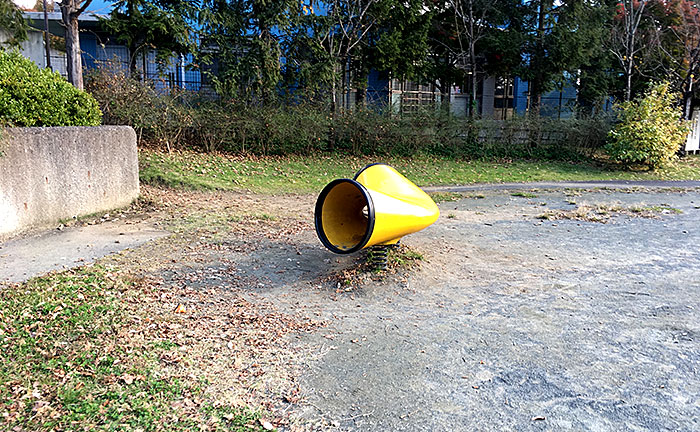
(30, 96)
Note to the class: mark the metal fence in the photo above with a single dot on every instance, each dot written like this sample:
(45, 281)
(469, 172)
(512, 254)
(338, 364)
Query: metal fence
(175, 72)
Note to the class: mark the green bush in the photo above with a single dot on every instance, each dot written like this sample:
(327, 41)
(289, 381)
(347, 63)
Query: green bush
(650, 130)
(30, 96)
(184, 118)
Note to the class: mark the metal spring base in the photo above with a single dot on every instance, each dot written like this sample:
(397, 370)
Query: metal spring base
(379, 257)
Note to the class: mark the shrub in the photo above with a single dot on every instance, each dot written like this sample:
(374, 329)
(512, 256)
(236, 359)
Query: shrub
(650, 130)
(30, 96)
(187, 118)
(531, 137)
(158, 117)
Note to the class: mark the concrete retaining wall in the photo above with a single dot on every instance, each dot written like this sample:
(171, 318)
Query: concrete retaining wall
(48, 174)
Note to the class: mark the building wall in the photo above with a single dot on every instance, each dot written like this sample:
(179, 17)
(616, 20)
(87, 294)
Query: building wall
(48, 174)
(556, 103)
(32, 48)
(458, 104)
(487, 97)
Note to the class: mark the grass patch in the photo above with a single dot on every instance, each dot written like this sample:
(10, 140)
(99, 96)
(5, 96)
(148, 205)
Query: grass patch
(309, 174)
(400, 259)
(439, 197)
(66, 362)
(663, 209)
(403, 256)
(524, 194)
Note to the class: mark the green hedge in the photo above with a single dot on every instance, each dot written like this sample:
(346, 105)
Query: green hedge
(30, 96)
(185, 119)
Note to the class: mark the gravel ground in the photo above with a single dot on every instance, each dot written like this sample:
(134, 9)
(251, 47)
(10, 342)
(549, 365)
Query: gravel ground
(515, 323)
(510, 322)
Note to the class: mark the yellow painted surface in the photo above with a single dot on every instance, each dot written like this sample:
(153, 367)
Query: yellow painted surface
(395, 218)
(400, 208)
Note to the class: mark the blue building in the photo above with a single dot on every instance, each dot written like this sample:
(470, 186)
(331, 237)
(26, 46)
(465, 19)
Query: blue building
(102, 50)
(497, 97)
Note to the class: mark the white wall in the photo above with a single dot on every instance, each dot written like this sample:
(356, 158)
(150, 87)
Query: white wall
(32, 48)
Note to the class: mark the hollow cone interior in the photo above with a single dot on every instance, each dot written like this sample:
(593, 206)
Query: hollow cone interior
(379, 207)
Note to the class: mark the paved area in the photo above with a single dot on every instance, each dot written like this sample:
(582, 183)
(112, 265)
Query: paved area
(613, 184)
(26, 257)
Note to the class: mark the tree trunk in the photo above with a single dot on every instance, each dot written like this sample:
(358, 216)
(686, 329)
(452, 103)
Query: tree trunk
(473, 104)
(144, 65)
(361, 95)
(133, 72)
(628, 83)
(334, 90)
(70, 11)
(537, 84)
(74, 64)
(334, 108)
(535, 96)
(444, 89)
(688, 98)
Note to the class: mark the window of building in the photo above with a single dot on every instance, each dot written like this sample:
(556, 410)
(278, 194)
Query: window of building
(503, 98)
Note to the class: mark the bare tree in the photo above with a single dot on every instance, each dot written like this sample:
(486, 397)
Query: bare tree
(71, 10)
(349, 22)
(627, 40)
(471, 23)
(689, 33)
(682, 68)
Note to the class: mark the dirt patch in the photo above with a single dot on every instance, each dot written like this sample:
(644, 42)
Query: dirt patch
(507, 323)
(603, 213)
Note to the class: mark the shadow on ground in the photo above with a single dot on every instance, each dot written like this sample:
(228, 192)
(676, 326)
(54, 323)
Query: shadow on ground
(512, 321)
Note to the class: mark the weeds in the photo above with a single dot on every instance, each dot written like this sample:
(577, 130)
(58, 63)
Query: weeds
(403, 256)
(439, 197)
(664, 209)
(524, 194)
(67, 361)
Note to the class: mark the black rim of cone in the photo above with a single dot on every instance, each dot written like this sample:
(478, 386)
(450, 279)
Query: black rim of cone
(363, 169)
(318, 214)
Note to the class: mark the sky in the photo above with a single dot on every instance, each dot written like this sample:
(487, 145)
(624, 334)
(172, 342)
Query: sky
(97, 6)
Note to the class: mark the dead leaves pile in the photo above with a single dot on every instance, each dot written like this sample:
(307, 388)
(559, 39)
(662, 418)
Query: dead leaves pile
(605, 213)
(223, 335)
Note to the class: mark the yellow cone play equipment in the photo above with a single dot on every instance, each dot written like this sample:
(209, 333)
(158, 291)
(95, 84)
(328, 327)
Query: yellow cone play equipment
(377, 207)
